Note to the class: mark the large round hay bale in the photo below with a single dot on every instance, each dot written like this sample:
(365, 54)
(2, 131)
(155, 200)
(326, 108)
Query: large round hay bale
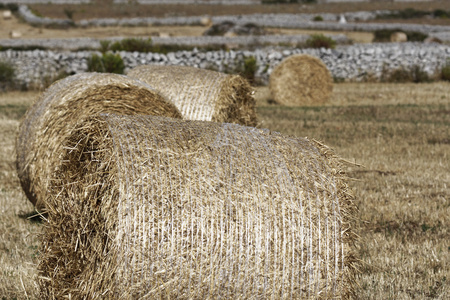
(65, 103)
(155, 207)
(202, 94)
(301, 80)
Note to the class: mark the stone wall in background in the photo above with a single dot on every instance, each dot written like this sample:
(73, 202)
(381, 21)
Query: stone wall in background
(352, 63)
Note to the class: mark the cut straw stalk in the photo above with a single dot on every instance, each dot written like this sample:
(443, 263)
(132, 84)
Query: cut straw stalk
(155, 207)
(301, 80)
(65, 103)
(202, 94)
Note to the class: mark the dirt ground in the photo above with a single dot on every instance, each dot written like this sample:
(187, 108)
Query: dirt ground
(105, 8)
(27, 31)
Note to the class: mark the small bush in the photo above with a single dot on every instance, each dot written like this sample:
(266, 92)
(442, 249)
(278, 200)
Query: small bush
(317, 19)
(107, 63)
(408, 13)
(7, 75)
(401, 75)
(10, 6)
(6, 72)
(320, 41)
(419, 75)
(384, 35)
(104, 46)
(69, 13)
(249, 70)
(414, 36)
(440, 13)
(132, 45)
(445, 72)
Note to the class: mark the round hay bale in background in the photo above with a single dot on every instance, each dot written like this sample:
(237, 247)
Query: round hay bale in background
(202, 94)
(52, 117)
(301, 80)
(163, 208)
(398, 37)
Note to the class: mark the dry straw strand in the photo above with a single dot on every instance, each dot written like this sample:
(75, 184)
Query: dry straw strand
(164, 208)
(66, 102)
(301, 80)
(201, 94)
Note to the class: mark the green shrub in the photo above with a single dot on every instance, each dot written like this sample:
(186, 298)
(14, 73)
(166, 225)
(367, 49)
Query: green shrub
(104, 46)
(317, 19)
(445, 72)
(411, 13)
(69, 13)
(107, 63)
(401, 75)
(384, 35)
(6, 72)
(320, 41)
(10, 6)
(440, 13)
(132, 45)
(415, 36)
(419, 75)
(249, 69)
(408, 13)
(7, 76)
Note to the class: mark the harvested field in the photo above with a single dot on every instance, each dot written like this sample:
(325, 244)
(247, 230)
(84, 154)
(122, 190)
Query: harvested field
(400, 133)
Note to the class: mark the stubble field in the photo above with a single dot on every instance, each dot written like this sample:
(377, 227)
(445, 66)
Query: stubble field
(396, 139)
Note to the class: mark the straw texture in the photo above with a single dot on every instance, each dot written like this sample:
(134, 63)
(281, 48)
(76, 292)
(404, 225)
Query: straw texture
(301, 80)
(52, 117)
(202, 94)
(151, 207)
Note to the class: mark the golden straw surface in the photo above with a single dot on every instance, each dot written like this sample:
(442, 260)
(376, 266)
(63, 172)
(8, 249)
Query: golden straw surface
(202, 94)
(52, 118)
(301, 80)
(151, 207)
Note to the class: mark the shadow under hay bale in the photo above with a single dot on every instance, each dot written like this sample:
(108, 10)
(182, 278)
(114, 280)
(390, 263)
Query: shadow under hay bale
(202, 94)
(67, 102)
(156, 207)
(301, 80)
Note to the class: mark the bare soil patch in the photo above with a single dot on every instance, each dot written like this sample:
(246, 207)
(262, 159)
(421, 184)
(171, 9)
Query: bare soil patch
(31, 32)
(105, 9)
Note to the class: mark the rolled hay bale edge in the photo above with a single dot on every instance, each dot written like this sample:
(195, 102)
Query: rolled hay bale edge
(201, 94)
(301, 79)
(65, 103)
(155, 207)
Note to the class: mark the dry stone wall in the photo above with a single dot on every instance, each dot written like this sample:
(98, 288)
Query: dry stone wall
(352, 63)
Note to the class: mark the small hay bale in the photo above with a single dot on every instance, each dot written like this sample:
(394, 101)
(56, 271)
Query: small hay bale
(154, 207)
(202, 95)
(301, 80)
(67, 102)
(398, 37)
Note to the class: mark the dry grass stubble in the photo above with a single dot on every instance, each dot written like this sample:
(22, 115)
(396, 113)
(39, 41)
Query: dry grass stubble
(19, 240)
(399, 132)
